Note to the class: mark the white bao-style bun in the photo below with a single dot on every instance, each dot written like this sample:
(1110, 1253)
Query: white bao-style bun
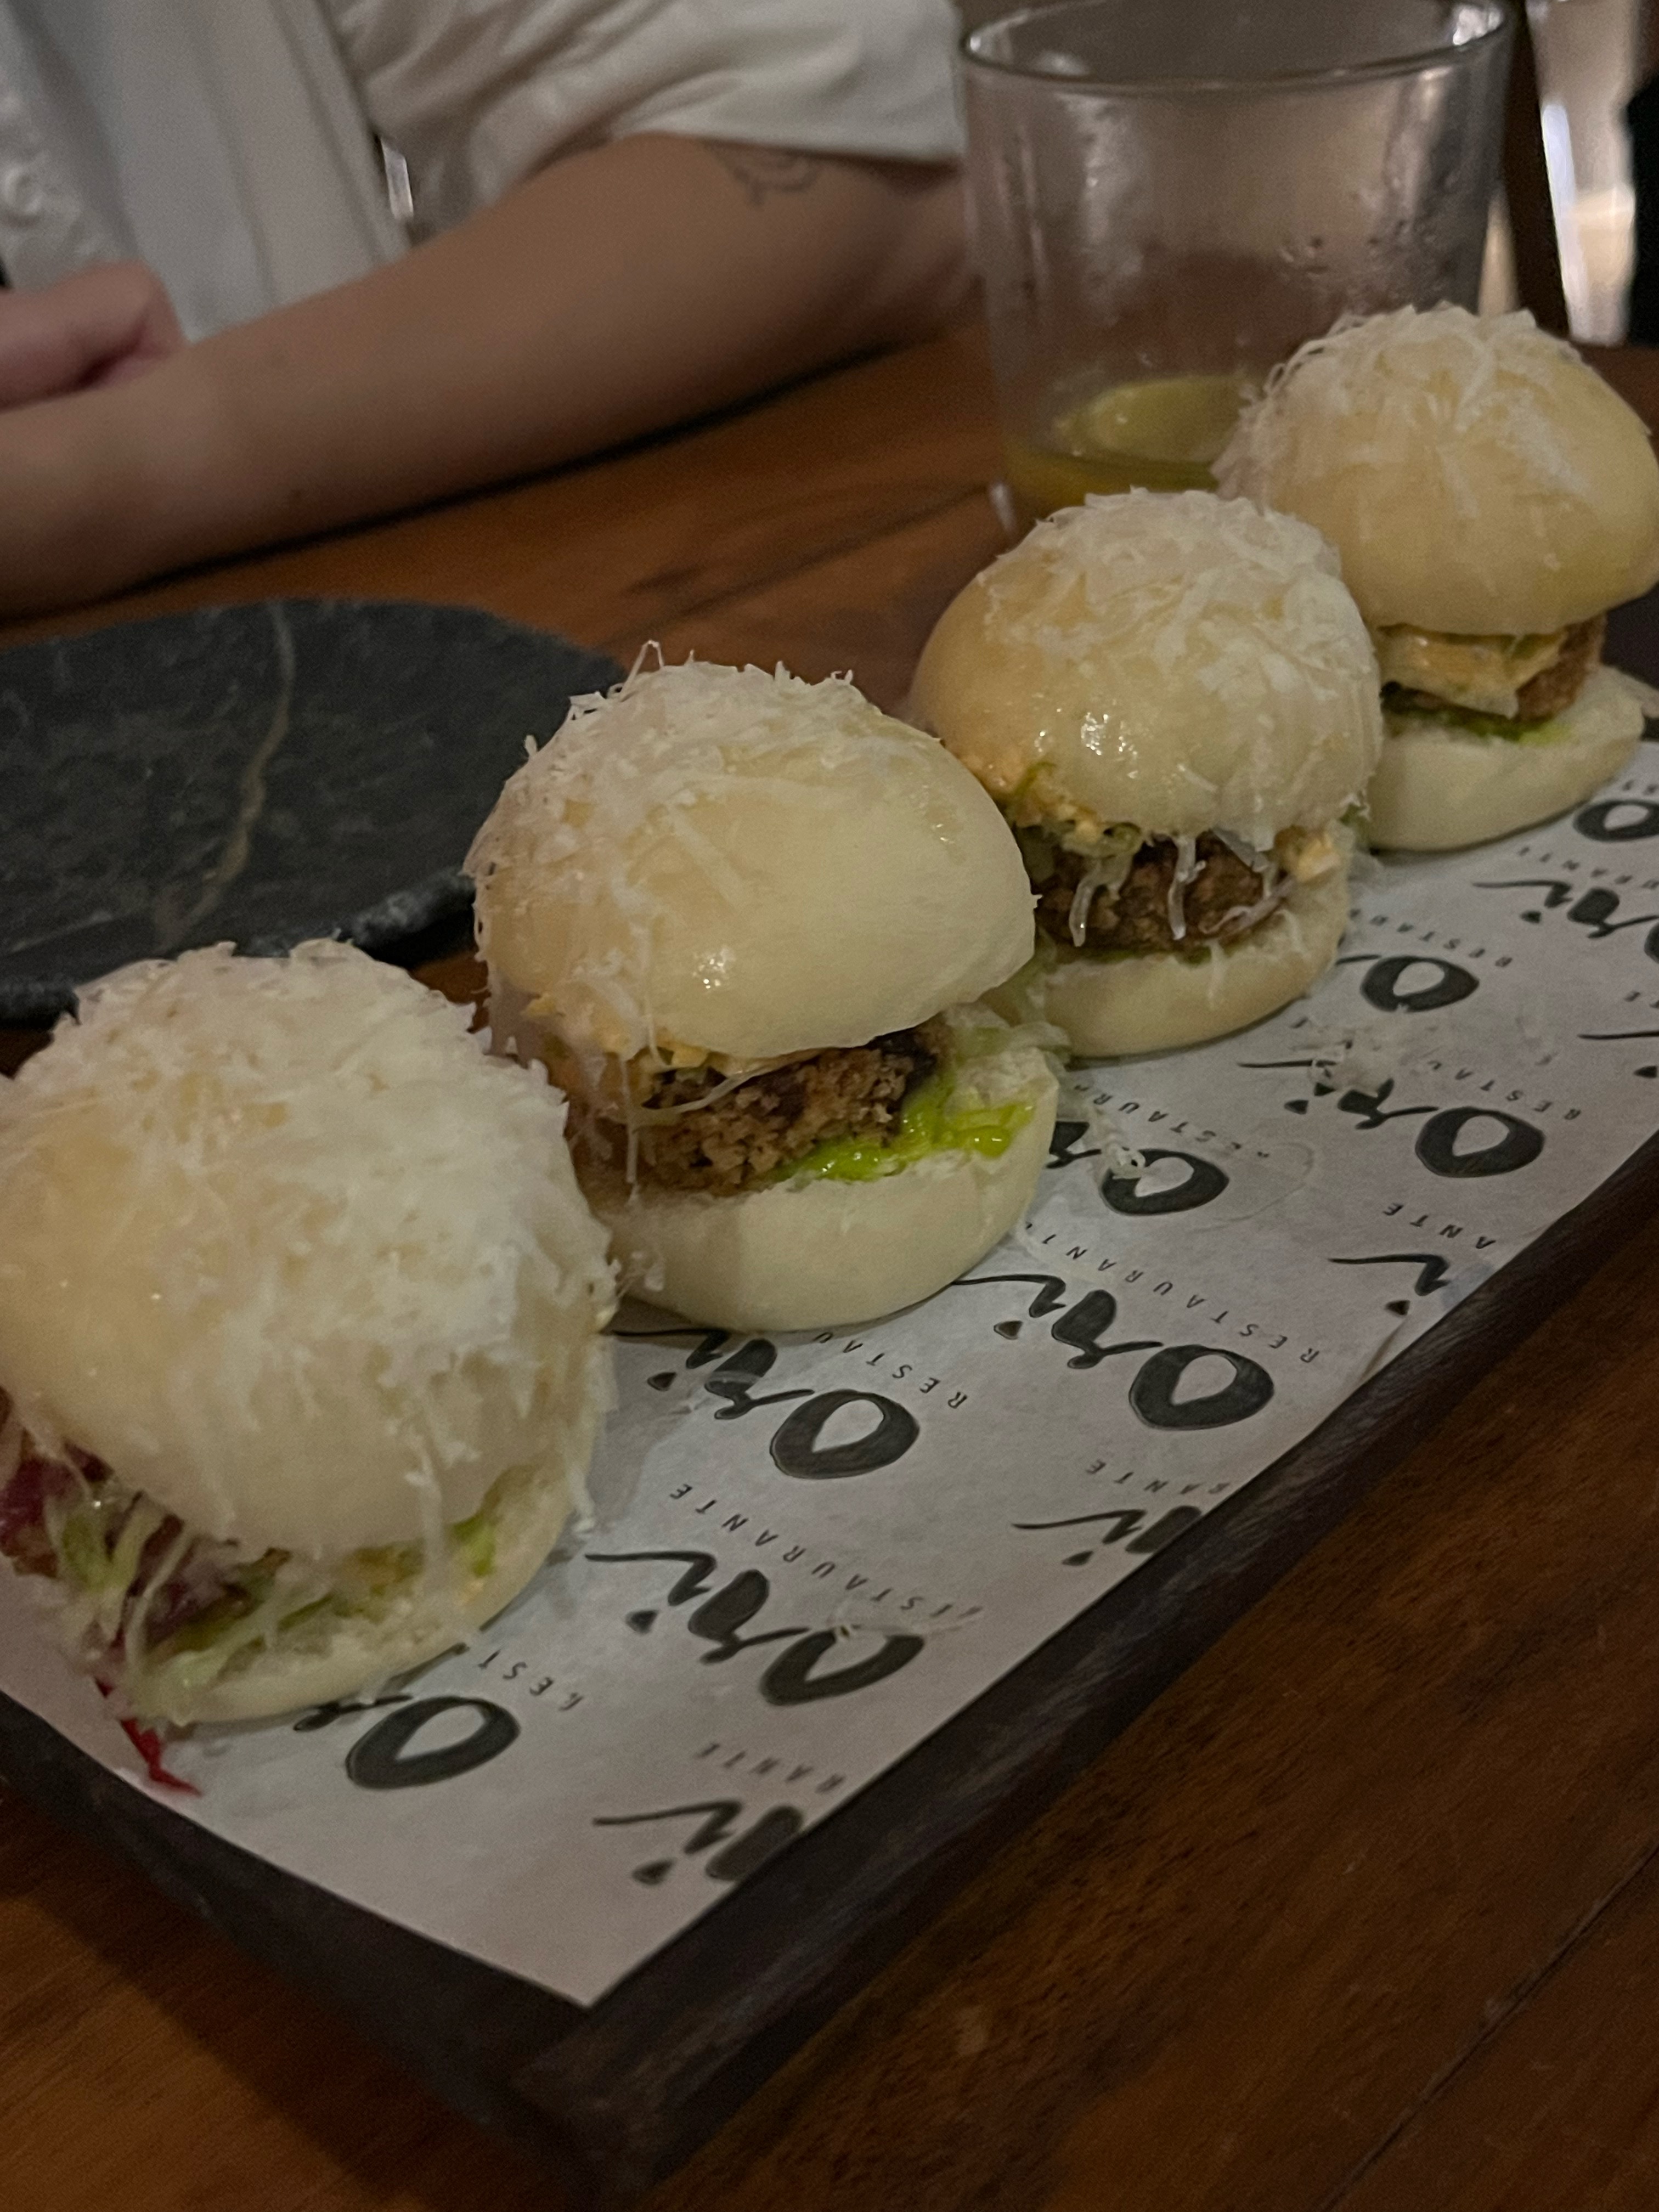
(1156, 1001)
(744, 864)
(822, 1254)
(288, 1251)
(315, 1666)
(1475, 473)
(1439, 787)
(1174, 660)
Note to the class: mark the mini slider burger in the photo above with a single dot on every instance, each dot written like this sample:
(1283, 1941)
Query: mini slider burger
(742, 918)
(1173, 700)
(1490, 498)
(298, 1330)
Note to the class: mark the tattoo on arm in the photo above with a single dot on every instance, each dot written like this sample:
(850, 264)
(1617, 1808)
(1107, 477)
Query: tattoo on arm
(765, 171)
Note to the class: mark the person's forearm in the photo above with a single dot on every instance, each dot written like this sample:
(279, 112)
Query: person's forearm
(616, 292)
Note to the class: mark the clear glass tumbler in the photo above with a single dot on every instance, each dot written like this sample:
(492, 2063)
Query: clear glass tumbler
(1171, 195)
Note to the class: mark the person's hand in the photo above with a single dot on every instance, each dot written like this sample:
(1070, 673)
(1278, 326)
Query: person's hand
(619, 289)
(103, 326)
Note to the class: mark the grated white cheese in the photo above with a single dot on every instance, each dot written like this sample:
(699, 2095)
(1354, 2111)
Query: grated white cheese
(1185, 867)
(1109, 874)
(1476, 476)
(1173, 659)
(717, 862)
(1444, 373)
(282, 1246)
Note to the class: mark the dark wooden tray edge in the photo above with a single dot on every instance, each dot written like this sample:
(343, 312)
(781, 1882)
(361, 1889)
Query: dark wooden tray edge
(616, 2097)
(465, 2028)
(654, 2070)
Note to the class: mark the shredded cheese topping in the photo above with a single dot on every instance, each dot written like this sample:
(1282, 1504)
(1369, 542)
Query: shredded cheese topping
(733, 865)
(1484, 673)
(287, 1250)
(1459, 376)
(1177, 660)
(1476, 476)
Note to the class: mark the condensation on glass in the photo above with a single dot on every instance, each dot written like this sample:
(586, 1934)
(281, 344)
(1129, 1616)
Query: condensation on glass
(1168, 199)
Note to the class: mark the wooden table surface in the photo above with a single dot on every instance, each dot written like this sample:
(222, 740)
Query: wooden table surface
(1362, 1913)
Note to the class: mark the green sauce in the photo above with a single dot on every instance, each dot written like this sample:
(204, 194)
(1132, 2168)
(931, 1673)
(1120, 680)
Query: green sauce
(1478, 724)
(475, 1541)
(931, 1120)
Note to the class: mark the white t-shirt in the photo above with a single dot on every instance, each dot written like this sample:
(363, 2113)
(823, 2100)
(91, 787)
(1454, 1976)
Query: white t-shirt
(254, 151)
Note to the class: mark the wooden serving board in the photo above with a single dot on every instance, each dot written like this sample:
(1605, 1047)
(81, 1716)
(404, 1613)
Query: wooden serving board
(616, 2096)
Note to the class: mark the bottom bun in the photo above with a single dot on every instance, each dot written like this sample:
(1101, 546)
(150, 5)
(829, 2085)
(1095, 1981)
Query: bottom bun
(353, 1654)
(1439, 787)
(1154, 1001)
(331, 1657)
(822, 1254)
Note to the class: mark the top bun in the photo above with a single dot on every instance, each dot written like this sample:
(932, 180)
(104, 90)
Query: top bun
(1174, 660)
(281, 1246)
(1474, 474)
(715, 861)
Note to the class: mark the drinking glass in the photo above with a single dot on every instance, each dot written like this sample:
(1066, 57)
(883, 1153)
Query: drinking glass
(1171, 195)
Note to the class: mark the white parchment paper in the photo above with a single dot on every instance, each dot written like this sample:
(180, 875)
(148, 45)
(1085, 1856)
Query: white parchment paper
(812, 1551)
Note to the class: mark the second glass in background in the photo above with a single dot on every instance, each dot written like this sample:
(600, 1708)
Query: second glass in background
(1170, 197)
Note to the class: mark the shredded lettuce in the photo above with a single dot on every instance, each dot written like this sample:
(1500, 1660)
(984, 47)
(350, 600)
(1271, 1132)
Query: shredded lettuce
(474, 1542)
(1112, 851)
(80, 1549)
(99, 1532)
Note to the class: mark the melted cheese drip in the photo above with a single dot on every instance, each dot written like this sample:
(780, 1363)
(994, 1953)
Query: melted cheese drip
(1039, 801)
(1185, 867)
(616, 1087)
(1308, 855)
(1484, 673)
(283, 1247)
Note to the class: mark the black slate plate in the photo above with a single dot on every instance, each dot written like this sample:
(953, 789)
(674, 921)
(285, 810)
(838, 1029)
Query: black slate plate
(301, 768)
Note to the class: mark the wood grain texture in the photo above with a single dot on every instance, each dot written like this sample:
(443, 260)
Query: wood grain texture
(867, 609)
(148, 2065)
(1267, 1932)
(614, 552)
(622, 2094)
(1359, 1914)
(1553, 2104)
(1290, 1901)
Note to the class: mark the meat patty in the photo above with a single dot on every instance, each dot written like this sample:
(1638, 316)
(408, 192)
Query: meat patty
(1556, 686)
(1550, 692)
(779, 1116)
(1136, 917)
